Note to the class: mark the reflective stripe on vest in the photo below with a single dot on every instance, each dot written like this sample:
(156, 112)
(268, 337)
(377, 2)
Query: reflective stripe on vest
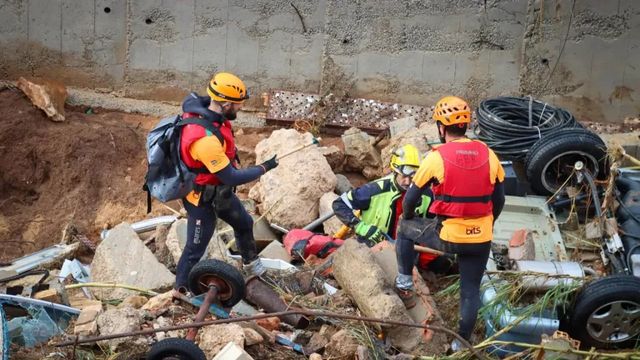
(466, 190)
(192, 133)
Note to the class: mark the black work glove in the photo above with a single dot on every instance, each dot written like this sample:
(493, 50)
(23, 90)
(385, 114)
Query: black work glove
(270, 164)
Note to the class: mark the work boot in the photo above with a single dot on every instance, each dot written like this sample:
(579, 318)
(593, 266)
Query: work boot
(255, 267)
(408, 297)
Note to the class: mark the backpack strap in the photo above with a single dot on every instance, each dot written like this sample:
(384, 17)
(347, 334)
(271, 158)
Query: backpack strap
(205, 124)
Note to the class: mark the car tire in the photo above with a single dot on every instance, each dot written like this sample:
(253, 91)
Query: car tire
(228, 280)
(175, 348)
(564, 147)
(606, 313)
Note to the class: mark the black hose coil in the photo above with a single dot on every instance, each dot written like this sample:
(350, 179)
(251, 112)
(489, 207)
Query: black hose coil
(511, 125)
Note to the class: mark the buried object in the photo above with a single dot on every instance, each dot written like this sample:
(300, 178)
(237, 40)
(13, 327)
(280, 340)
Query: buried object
(175, 348)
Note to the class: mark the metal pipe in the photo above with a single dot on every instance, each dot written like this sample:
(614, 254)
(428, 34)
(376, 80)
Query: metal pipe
(147, 224)
(317, 222)
(309, 313)
(263, 296)
(209, 298)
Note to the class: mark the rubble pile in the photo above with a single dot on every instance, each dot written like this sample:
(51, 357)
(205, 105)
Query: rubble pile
(127, 286)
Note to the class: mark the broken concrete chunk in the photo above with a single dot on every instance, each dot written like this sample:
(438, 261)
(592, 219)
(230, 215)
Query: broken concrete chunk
(335, 157)
(315, 356)
(213, 338)
(134, 301)
(45, 94)
(158, 304)
(358, 273)
(342, 345)
(316, 343)
(163, 322)
(123, 258)
(334, 224)
(252, 337)
(420, 137)
(275, 250)
(232, 351)
(289, 194)
(50, 295)
(116, 321)
(86, 324)
(359, 151)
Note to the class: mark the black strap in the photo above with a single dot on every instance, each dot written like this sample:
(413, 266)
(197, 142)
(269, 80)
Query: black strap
(326, 248)
(225, 96)
(207, 124)
(462, 199)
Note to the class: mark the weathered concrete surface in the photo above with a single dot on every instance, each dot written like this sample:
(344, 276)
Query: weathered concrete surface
(116, 321)
(212, 339)
(122, 258)
(360, 154)
(289, 193)
(356, 270)
(410, 51)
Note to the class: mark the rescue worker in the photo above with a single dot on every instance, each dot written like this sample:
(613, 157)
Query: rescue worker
(466, 178)
(217, 160)
(380, 201)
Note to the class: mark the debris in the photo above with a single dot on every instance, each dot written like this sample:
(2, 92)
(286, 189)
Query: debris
(360, 153)
(315, 356)
(232, 351)
(162, 322)
(262, 232)
(522, 246)
(118, 320)
(356, 270)
(162, 252)
(263, 296)
(87, 324)
(342, 345)
(148, 224)
(212, 339)
(123, 258)
(275, 250)
(362, 353)
(38, 259)
(50, 295)
(334, 224)
(134, 301)
(283, 340)
(401, 126)
(270, 323)
(335, 157)
(157, 305)
(252, 337)
(317, 342)
(292, 190)
(343, 184)
(45, 94)
(80, 272)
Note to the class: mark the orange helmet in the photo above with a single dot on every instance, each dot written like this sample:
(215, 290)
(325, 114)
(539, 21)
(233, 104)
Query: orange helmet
(226, 87)
(451, 110)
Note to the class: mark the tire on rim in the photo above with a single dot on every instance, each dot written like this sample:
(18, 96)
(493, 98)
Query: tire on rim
(175, 349)
(606, 313)
(550, 161)
(228, 280)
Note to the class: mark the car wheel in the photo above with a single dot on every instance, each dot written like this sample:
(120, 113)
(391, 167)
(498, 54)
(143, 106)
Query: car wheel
(175, 349)
(606, 313)
(228, 280)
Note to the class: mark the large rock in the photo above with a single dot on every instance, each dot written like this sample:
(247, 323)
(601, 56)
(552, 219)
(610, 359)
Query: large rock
(420, 137)
(334, 224)
(359, 275)
(177, 239)
(116, 321)
(47, 95)
(289, 193)
(214, 337)
(334, 155)
(123, 258)
(360, 153)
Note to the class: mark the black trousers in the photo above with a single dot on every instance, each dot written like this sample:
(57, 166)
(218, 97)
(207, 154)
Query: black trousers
(471, 258)
(201, 224)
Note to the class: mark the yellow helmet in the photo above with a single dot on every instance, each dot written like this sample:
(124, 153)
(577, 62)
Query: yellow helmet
(451, 110)
(226, 87)
(405, 160)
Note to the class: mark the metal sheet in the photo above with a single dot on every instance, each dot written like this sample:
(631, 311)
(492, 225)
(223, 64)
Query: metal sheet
(368, 114)
(4, 336)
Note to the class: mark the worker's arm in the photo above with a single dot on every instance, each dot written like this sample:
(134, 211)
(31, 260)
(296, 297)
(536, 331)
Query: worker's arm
(350, 201)
(209, 151)
(422, 180)
(498, 199)
(411, 199)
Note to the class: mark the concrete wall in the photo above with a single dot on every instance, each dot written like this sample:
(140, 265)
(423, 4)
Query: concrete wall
(408, 51)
